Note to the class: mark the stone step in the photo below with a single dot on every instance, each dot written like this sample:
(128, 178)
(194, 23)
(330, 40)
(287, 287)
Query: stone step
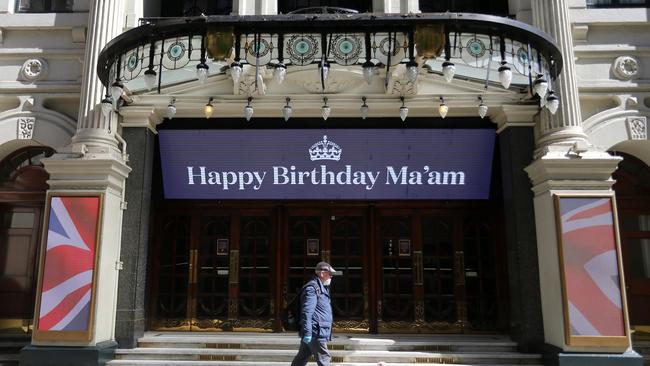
(202, 354)
(340, 342)
(9, 359)
(267, 363)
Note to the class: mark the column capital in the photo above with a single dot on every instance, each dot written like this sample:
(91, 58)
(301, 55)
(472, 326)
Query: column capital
(86, 174)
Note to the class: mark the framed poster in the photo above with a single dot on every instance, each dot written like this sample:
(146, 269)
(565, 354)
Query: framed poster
(222, 247)
(591, 271)
(404, 246)
(65, 299)
(313, 246)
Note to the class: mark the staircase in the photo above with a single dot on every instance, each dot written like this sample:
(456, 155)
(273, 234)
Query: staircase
(10, 346)
(255, 349)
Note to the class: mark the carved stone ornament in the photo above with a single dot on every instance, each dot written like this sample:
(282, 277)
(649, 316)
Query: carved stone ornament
(34, 69)
(26, 128)
(626, 68)
(637, 128)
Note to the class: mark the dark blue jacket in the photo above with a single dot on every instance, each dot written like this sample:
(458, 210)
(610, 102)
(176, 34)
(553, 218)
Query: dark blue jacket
(316, 318)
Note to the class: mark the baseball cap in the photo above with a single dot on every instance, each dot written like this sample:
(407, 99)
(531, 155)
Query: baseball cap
(324, 266)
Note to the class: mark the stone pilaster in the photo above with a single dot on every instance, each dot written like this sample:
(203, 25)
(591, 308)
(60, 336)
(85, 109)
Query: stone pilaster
(559, 132)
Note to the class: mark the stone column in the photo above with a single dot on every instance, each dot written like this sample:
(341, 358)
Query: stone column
(566, 163)
(559, 132)
(94, 162)
(95, 133)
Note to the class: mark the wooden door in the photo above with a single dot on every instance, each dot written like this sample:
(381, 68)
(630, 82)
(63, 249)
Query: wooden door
(19, 237)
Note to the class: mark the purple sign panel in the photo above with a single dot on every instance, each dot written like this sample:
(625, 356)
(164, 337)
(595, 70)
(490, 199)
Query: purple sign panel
(327, 164)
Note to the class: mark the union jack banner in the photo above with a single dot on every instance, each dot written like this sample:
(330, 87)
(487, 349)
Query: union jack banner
(591, 270)
(67, 281)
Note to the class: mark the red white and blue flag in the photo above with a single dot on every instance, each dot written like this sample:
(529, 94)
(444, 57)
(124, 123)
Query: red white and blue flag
(591, 267)
(69, 264)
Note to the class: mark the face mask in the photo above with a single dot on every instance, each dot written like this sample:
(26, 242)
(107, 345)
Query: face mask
(327, 282)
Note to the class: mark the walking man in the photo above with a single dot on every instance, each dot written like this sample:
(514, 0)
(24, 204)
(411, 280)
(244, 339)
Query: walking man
(315, 318)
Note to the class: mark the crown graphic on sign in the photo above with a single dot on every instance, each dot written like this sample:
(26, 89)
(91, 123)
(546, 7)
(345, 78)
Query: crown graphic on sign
(325, 150)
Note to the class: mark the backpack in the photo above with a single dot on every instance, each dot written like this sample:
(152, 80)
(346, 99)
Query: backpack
(291, 315)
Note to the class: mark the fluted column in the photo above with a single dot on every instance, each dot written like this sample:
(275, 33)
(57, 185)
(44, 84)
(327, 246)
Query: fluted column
(105, 22)
(565, 127)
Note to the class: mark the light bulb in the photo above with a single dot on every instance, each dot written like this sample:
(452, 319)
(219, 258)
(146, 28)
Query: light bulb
(287, 111)
(552, 102)
(170, 112)
(279, 73)
(412, 71)
(482, 110)
(208, 110)
(540, 86)
(505, 75)
(202, 72)
(443, 109)
(368, 71)
(248, 112)
(116, 90)
(235, 72)
(107, 107)
(448, 70)
(403, 112)
(364, 109)
(150, 79)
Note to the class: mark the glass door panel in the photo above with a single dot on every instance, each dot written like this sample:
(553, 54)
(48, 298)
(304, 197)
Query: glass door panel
(304, 250)
(255, 268)
(396, 270)
(438, 268)
(171, 285)
(211, 276)
(349, 298)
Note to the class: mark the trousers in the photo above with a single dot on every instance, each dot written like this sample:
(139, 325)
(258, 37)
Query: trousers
(317, 348)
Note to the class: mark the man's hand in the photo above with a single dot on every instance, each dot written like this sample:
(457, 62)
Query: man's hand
(306, 339)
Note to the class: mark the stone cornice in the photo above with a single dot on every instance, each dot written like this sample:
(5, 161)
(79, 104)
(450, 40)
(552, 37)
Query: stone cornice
(514, 116)
(144, 116)
(572, 173)
(86, 174)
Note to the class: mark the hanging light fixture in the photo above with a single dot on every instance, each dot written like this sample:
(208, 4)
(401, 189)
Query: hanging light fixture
(107, 106)
(202, 72)
(505, 75)
(279, 73)
(364, 109)
(324, 67)
(482, 108)
(208, 110)
(150, 79)
(287, 111)
(443, 108)
(248, 110)
(325, 109)
(170, 112)
(403, 111)
(412, 71)
(368, 71)
(117, 89)
(552, 102)
(540, 86)
(448, 70)
(235, 71)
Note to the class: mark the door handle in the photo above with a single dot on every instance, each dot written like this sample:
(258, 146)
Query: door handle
(193, 267)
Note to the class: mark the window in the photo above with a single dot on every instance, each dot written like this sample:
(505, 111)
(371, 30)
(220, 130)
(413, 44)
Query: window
(45, 6)
(618, 3)
(180, 8)
(320, 6)
(499, 7)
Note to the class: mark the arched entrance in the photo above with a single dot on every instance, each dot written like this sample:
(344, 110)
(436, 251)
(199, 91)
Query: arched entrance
(22, 196)
(633, 198)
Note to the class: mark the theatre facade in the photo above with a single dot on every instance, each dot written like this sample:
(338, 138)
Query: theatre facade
(439, 161)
